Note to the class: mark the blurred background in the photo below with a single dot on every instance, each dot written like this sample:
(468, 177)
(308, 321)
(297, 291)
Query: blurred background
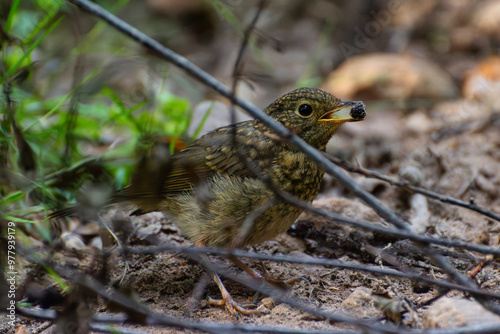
(412, 49)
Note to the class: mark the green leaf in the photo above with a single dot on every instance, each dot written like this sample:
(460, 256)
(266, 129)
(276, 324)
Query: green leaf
(19, 220)
(12, 13)
(32, 47)
(11, 198)
(56, 278)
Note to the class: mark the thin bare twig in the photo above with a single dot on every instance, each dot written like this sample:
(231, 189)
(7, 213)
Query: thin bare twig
(238, 66)
(72, 114)
(412, 188)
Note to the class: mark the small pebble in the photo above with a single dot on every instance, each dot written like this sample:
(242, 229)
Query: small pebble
(412, 174)
(268, 302)
(73, 241)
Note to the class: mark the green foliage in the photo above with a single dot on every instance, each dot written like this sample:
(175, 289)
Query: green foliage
(53, 145)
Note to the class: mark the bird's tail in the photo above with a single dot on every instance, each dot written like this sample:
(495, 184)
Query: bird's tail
(141, 203)
(145, 192)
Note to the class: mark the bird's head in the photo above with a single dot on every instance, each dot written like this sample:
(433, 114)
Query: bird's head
(314, 114)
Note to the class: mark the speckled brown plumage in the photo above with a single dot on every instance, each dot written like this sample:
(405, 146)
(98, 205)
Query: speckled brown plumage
(209, 190)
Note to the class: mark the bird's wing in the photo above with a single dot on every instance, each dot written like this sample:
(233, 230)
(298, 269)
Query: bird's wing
(207, 156)
(204, 158)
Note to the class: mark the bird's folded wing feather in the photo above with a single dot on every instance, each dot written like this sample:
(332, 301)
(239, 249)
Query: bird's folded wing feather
(202, 160)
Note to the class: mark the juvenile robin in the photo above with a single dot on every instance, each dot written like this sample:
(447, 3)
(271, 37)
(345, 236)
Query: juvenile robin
(218, 190)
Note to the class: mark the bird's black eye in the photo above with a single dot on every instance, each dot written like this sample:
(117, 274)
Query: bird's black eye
(305, 110)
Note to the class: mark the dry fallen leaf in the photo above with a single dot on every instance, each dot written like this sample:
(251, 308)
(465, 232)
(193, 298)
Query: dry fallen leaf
(389, 76)
(483, 80)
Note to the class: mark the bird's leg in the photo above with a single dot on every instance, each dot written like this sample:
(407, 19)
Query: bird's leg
(258, 277)
(227, 299)
(254, 274)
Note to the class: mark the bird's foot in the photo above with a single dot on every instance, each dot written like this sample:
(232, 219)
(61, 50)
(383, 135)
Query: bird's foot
(234, 307)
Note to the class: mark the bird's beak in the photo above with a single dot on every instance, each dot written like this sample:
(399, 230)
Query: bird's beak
(351, 111)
